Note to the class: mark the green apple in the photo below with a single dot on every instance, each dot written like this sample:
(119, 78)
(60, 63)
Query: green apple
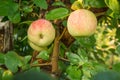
(81, 22)
(41, 33)
(7, 75)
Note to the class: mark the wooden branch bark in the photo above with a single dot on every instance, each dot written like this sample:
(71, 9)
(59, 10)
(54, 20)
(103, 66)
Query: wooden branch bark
(6, 36)
(55, 54)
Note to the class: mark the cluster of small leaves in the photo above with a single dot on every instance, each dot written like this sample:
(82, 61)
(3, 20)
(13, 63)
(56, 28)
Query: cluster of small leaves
(13, 61)
(13, 64)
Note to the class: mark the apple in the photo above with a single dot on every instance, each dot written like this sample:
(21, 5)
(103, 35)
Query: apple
(36, 47)
(81, 22)
(41, 33)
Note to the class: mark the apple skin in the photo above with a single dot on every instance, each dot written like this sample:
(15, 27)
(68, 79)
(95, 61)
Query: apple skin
(41, 33)
(36, 47)
(81, 22)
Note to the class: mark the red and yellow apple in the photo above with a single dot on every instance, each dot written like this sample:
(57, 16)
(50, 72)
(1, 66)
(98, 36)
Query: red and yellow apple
(41, 33)
(81, 22)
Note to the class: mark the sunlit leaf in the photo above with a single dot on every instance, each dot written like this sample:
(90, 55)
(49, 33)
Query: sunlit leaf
(74, 58)
(26, 22)
(57, 13)
(83, 56)
(27, 58)
(43, 55)
(73, 73)
(76, 5)
(114, 5)
(27, 9)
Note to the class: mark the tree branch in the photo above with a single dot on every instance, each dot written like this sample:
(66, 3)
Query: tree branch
(34, 54)
(55, 55)
(37, 65)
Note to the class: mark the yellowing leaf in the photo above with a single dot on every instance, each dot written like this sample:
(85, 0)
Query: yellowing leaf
(76, 5)
(113, 5)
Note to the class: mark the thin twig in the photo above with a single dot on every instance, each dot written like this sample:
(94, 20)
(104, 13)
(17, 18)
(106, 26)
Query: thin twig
(111, 61)
(64, 59)
(38, 65)
(34, 54)
(62, 34)
(99, 14)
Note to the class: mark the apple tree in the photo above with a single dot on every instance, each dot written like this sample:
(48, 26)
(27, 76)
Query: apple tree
(60, 39)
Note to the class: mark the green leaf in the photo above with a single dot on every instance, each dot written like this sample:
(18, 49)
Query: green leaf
(118, 49)
(82, 52)
(2, 61)
(1, 72)
(27, 9)
(94, 3)
(74, 58)
(57, 13)
(58, 3)
(71, 1)
(41, 3)
(26, 22)
(62, 65)
(7, 7)
(83, 56)
(13, 61)
(116, 67)
(86, 41)
(74, 73)
(118, 33)
(43, 55)
(86, 69)
(107, 75)
(94, 67)
(27, 58)
(33, 75)
(15, 18)
(26, 61)
(113, 5)
(64, 23)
